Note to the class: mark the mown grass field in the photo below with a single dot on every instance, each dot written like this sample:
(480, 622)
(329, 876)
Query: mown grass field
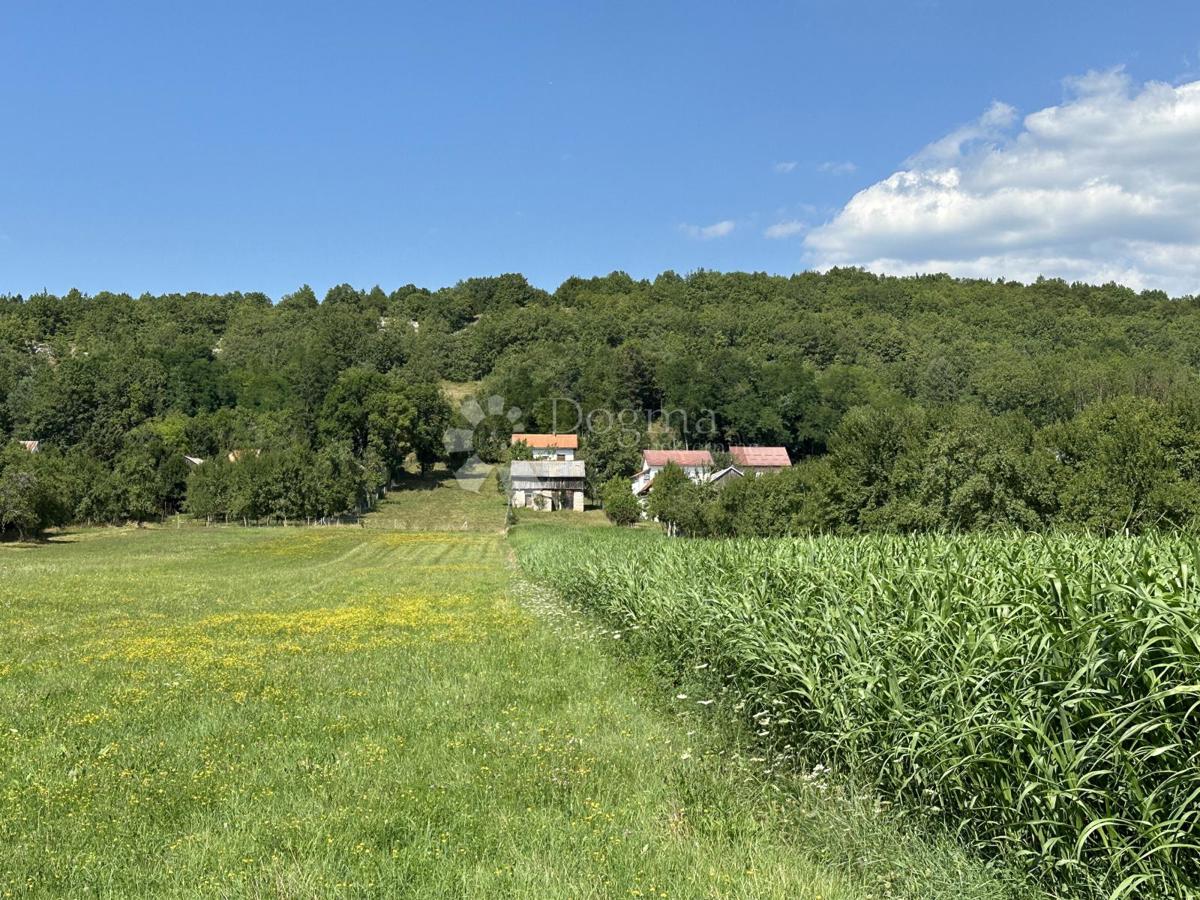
(351, 711)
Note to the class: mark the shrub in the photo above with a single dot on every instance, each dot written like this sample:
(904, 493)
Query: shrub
(620, 505)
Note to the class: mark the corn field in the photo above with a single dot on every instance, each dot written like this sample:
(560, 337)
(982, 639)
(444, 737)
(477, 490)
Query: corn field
(1040, 694)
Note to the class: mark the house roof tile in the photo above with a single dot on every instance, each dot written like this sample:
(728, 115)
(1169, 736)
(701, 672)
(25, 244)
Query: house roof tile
(556, 441)
(679, 457)
(761, 457)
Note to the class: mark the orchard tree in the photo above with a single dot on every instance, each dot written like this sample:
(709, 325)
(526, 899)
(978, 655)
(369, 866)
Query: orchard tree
(620, 505)
(612, 451)
(677, 503)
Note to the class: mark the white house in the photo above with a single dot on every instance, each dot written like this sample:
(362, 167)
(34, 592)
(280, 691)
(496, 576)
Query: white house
(696, 464)
(561, 447)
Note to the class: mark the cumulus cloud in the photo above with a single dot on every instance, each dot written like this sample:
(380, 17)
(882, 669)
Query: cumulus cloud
(784, 168)
(845, 167)
(708, 232)
(785, 229)
(1104, 186)
(990, 127)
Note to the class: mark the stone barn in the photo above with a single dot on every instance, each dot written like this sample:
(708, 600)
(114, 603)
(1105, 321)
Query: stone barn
(548, 484)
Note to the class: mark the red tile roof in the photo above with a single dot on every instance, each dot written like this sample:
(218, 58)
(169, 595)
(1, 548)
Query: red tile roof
(557, 441)
(761, 457)
(679, 457)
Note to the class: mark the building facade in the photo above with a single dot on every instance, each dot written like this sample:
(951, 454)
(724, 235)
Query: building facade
(547, 484)
(561, 447)
(696, 464)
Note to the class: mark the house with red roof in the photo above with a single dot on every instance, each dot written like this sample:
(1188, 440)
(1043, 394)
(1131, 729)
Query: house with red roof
(696, 464)
(760, 460)
(559, 447)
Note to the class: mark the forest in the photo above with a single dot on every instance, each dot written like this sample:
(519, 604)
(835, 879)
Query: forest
(925, 403)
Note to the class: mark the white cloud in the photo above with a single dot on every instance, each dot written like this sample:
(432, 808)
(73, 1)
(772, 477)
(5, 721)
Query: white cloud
(783, 168)
(838, 168)
(1104, 186)
(785, 229)
(708, 232)
(991, 127)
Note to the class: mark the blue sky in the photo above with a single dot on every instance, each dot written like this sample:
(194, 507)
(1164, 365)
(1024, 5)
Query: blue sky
(256, 146)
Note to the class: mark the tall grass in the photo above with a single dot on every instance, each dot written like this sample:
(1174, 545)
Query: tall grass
(1042, 695)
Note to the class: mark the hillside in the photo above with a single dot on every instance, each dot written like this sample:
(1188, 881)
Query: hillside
(900, 388)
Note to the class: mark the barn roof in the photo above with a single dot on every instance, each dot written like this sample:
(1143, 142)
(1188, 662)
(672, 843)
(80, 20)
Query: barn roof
(557, 441)
(762, 457)
(548, 468)
(679, 457)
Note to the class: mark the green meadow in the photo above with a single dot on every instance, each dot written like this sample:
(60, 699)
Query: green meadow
(384, 711)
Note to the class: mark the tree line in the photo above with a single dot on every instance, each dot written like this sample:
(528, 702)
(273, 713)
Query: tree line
(908, 403)
(1126, 465)
(226, 407)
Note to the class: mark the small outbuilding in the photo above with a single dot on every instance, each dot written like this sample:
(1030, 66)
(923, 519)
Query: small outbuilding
(548, 484)
(725, 477)
(31, 446)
